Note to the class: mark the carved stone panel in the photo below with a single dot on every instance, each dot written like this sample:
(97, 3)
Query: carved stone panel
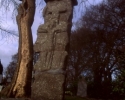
(50, 60)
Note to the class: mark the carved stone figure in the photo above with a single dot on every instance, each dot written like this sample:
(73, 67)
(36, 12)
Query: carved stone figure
(51, 44)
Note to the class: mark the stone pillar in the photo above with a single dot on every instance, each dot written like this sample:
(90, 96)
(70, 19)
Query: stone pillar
(52, 45)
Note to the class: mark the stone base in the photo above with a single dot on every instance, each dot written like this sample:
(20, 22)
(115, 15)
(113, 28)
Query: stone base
(48, 86)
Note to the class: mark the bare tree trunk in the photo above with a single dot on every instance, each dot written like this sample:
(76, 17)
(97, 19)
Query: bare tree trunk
(21, 84)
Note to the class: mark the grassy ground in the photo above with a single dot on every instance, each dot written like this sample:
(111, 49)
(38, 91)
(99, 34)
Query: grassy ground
(74, 98)
(67, 97)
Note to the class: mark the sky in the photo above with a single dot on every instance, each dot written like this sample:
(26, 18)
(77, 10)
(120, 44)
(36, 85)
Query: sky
(9, 43)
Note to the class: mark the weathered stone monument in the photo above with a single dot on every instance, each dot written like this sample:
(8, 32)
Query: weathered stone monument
(52, 45)
(82, 88)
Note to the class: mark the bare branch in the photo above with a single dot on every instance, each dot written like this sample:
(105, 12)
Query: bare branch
(10, 32)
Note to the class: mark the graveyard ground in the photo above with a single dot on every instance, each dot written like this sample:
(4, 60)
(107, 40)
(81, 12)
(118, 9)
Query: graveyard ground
(76, 98)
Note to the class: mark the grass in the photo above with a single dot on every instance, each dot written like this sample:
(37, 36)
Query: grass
(73, 98)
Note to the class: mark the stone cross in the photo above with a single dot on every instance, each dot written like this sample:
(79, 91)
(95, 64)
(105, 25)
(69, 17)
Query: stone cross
(52, 45)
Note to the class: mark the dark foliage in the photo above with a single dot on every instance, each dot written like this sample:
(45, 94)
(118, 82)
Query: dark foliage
(1, 67)
(94, 51)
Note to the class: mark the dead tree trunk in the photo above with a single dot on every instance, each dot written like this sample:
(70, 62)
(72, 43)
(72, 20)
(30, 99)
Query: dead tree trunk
(21, 84)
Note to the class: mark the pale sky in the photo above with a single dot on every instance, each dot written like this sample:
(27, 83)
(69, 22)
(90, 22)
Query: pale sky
(9, 44)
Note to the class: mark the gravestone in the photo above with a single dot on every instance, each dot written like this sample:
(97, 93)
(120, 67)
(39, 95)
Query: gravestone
(1, 78)
(82, 88)
(52, 45)
(1, 87)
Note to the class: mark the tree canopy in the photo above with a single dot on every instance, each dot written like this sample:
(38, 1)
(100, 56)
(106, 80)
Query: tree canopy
(94, 51)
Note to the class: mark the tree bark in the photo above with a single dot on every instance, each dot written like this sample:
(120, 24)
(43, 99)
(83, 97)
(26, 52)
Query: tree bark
(21, 84)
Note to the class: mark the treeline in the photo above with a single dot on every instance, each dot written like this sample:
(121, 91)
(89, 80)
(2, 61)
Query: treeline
(97, 51)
